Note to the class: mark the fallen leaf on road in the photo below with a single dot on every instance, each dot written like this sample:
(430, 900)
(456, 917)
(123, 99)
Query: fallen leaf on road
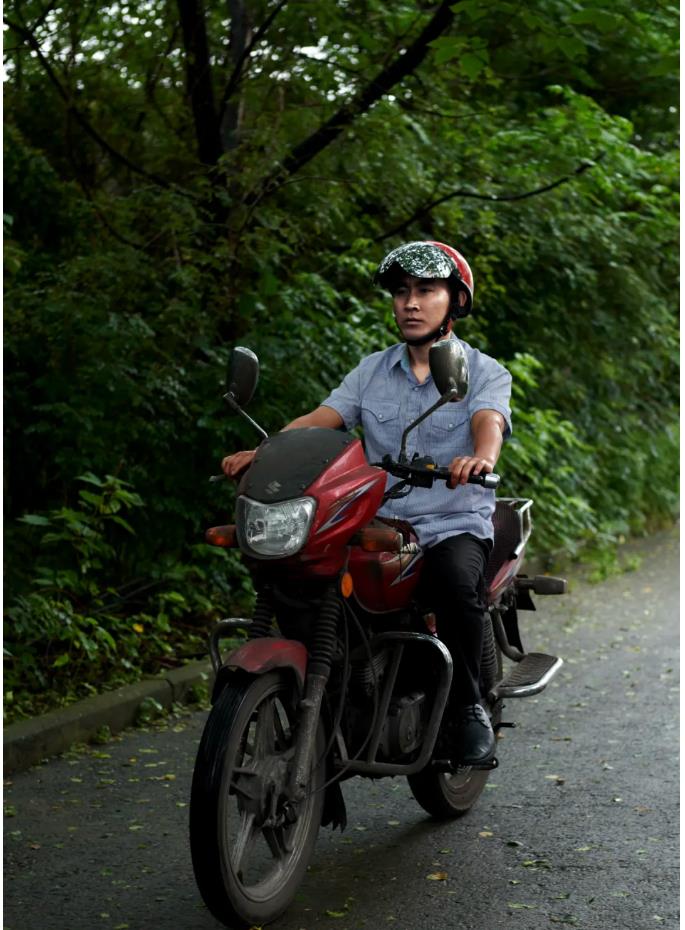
(437, 877)
(522, 907)
(486, 833)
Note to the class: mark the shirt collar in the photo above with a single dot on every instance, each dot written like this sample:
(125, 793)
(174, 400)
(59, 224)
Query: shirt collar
(399, 355)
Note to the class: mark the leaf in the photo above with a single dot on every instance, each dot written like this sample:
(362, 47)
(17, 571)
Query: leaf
(472, 64)
(335, 913)
(522, 907)
(572, 48)
(437, 877)
(34, 519)
(603, 20)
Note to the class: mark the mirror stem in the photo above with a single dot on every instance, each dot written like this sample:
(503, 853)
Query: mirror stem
(452, 394)
(232, 403)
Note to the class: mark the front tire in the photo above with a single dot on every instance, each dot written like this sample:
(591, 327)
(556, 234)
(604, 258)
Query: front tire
(250, 847)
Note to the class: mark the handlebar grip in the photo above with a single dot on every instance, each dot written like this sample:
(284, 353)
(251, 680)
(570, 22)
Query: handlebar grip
(489, 481)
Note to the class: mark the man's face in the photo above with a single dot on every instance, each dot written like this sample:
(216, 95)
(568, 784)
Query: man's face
(420, 304)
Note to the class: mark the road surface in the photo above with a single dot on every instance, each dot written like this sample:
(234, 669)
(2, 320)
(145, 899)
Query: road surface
(577, 828)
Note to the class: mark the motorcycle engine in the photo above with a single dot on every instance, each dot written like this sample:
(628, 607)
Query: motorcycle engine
(403, 728)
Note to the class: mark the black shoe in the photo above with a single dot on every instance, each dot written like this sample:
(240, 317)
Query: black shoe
(474, 739)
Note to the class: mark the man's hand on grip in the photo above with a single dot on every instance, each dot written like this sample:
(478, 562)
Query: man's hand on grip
(234, 465)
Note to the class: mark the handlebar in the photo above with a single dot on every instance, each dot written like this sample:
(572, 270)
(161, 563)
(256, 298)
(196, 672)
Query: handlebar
(421, 473)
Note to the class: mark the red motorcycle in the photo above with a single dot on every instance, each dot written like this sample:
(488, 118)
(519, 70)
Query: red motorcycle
(341, 672)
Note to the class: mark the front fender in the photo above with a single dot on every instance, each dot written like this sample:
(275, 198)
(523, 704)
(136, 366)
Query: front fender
(258, 656)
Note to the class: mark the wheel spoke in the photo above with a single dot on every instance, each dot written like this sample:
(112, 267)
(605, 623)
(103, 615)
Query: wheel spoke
(277, 842)
(283, 736)
(265, 730)
(244, 842)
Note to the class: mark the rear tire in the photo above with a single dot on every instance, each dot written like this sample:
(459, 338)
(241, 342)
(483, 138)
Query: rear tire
(445, 796)
(249, 850)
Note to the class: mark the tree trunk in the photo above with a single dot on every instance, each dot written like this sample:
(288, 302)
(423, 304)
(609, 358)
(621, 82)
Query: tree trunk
(199, 81)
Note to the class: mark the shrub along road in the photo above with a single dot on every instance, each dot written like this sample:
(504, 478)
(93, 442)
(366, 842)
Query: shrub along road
(577, 827)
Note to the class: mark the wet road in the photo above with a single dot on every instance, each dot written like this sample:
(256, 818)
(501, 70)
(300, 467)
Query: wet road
(577, 828)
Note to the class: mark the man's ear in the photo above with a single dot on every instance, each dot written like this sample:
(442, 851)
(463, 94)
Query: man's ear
(460, 305)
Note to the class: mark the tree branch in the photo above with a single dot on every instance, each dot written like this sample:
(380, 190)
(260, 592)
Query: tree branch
(234, 79)
(33, 43)
(492, 198)
(345, 116)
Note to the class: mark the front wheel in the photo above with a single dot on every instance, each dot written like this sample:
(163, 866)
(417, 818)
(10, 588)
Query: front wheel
(445, 796)
(250, 845)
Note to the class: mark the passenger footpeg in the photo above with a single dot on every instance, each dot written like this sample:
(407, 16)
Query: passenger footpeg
(542, 584)
(529, 676)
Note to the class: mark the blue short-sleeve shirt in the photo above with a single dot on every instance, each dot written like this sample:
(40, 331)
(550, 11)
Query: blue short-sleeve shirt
(383, 394)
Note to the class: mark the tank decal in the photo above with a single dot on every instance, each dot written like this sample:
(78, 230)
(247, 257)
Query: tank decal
(409, 569)
(345, 506)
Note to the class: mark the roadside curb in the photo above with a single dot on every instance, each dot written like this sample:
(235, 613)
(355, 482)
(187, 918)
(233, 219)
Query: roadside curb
(29, 741)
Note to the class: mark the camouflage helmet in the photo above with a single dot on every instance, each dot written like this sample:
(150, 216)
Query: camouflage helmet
(430, 260)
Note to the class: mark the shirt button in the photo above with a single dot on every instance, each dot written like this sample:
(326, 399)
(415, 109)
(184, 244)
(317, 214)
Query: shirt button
(380, 416)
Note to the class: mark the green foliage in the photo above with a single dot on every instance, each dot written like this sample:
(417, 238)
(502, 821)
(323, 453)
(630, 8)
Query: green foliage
(148, 229)
(75, 627)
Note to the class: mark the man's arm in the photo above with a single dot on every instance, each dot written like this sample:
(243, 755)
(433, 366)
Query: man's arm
(323, 416)
(487, 429)
(233, 465)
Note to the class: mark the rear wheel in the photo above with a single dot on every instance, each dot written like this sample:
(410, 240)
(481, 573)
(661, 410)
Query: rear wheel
(443, 795)
(250, 846)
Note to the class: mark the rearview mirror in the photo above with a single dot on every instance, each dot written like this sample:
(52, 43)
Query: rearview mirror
(449, 368)
(243, 374)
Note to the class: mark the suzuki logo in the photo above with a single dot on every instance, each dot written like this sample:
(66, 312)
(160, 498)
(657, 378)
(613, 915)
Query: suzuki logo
(273, 487)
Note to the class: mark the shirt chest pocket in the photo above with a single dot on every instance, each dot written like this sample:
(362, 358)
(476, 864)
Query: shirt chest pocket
(450, 433)
(381, 422)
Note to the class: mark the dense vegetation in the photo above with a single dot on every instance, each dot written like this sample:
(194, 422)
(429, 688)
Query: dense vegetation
(182, 177)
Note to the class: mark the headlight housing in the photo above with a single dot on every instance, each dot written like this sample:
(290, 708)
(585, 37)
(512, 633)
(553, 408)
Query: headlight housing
(273, 531)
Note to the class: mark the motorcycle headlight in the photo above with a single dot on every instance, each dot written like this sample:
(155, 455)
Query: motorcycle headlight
(274, 531)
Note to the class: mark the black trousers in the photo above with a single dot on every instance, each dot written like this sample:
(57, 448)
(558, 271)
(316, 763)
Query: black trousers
(453, 584)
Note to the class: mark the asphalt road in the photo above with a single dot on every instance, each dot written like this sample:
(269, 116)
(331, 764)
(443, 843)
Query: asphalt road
(577, 828)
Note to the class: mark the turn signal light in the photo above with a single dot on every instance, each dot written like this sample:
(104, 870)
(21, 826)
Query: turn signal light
(379, 539)
(221, 536)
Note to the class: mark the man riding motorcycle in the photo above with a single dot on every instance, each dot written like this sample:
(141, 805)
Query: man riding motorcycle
(432, 286)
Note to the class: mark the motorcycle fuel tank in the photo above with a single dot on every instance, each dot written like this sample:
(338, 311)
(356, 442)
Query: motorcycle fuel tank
(385, 581)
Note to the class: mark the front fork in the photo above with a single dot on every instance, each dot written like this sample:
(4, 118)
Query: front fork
(309, 710)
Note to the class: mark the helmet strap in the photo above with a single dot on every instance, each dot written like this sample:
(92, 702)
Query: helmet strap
(438, 333)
